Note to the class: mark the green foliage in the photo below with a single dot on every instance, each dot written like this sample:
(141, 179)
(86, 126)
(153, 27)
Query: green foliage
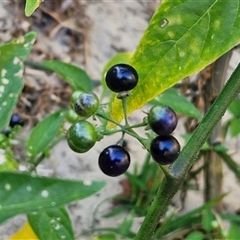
(233, 124)
(172, 98)
(182, 38)
(196, 235)
(234, 231)
(31, 6)
(26, 193)
(75, 76)
(11, 72)
(44, 132)
(52, 224)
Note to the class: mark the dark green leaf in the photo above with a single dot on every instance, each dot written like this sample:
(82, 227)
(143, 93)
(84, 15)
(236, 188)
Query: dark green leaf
(44, 132)
(182, 38)
(11, 71)
(230, 217)
(53, 224)
(172, 98)
(220, 148)
(234, 108)
(189, 218)
(75, 76)
(232, 165)
(25, 193)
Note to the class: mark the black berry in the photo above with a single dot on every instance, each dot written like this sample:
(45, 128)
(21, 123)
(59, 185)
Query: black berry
(162, 120)
(15, 120)
(165, 149)
(114, 160)
(121, 77)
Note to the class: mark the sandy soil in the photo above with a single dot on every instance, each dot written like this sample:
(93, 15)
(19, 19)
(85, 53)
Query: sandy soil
(111, 27)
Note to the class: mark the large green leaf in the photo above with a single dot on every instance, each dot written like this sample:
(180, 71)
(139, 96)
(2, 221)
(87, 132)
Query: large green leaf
(44, 132)
(75, 76)
(182, 38)
(31, 6)
(172, 98)
(24, 193)
(52, 224)
(11, 71)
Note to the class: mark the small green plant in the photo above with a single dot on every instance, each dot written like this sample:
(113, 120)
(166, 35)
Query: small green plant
(174, 46)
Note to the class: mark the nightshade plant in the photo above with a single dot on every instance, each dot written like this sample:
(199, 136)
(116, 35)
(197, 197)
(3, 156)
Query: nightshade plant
(182, 38)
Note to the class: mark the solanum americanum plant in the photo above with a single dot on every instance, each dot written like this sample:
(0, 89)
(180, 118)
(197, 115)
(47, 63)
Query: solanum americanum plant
(114, 160)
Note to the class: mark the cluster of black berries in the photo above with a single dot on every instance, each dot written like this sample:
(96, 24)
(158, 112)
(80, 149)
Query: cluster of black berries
(163, 121)
(15, 120)
(114, 160)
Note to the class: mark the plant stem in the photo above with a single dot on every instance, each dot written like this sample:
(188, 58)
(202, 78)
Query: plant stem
(188, 157)
(124, 106)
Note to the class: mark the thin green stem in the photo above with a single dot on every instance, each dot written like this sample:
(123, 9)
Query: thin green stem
(188, 157)
(104, 116)
(124, 106)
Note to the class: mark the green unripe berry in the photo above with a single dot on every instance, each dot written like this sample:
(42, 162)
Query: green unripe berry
(71, 116)
(75, 96)
(81, 136)
(86, 104)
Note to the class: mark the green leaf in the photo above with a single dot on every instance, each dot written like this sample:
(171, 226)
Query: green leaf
(196, 235)
(172, 98)
(25, 193)
(207, 218)
(234, 231)
(231, 164)
(234, 108)
(52, 224)
(11, 71)
(31, 6)
(44, 132)
(189, 218)
(107, 236)
(182, 38)
(8, 163)
(75, 76)
(234, 127)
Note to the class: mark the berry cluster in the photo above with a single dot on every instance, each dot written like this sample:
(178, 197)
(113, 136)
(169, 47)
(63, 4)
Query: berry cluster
(15, 120)
(114, 160)
(163, 121)
(81, 136)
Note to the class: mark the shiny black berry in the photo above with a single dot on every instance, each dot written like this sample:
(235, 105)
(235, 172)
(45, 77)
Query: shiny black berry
(114, 160)
(162, 120)
(121, 77)
(165, 149)
(15, 120)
